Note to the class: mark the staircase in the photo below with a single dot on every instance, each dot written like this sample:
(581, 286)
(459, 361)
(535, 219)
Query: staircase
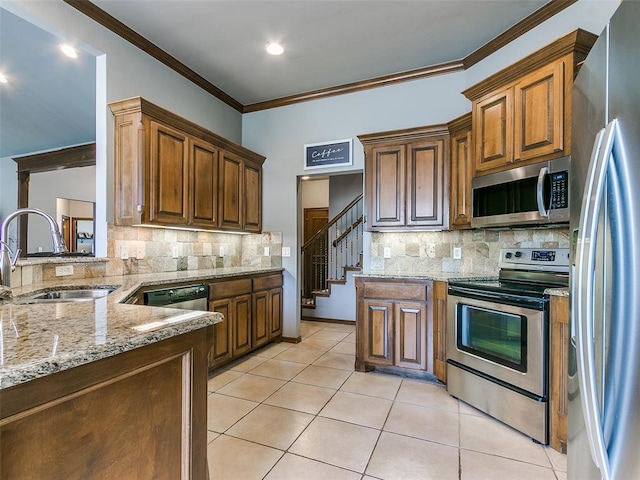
(331, 252)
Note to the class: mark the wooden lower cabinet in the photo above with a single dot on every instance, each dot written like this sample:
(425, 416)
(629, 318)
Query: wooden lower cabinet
(559, 373)
(241, 324)
(222, 351)
(410, 324)
(137, 414)
(377, 333)
(252, 310)
(394, 326)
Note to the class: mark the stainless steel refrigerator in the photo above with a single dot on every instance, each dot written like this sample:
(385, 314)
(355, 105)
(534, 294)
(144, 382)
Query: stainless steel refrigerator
(604, 354)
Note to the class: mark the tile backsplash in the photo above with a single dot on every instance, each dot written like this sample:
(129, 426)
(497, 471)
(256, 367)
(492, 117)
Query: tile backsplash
(154, 250)
(432, 252)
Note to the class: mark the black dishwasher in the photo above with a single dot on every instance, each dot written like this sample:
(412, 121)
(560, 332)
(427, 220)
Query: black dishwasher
(187, 297)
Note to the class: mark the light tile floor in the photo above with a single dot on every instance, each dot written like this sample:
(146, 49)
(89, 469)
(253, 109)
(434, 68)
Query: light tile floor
(301, 412)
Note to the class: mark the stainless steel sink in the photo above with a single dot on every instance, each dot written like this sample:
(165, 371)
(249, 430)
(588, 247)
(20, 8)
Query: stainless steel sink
(74, 295)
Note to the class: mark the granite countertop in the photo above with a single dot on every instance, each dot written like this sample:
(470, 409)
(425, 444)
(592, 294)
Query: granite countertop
(41, 339)
(451, 277)
(558, 292)
(437, 277)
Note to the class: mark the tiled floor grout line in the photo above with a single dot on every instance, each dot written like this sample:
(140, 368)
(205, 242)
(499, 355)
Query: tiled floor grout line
(315, 416)
(336, 390)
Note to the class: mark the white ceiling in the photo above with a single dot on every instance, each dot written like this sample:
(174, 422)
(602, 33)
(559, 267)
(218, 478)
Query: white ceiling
(328, 43)
(49, 101)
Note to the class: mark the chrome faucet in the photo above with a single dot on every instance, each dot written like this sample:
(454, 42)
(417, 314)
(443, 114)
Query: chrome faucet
(7, 263)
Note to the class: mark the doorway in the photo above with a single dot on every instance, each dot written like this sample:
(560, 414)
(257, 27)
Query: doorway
(314, 219)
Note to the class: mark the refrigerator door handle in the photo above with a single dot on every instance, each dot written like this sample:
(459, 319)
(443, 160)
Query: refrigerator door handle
(584, 287)
(540, 192)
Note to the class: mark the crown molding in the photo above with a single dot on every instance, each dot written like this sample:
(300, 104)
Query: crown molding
(424, 72)
(103, 18)
(541, 15)
(116, 26)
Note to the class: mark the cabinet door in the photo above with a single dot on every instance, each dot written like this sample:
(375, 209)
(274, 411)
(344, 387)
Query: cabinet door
(539, 113)
(222, 350)
(425, 177)
(203, 181)
(169, 173)
(252, 214)
(129, 169)
(231, 182)
(493, 130)
(378, 331)
(410, 335)
(261, 318)
(385, 170)
(241, 324)
(461, 150)
(559, 373)
(276, 313)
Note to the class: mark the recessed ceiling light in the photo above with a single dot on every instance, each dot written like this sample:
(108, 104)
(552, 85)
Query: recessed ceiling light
(306, 177)
(274, 49)
(69, 51)
(3, 79)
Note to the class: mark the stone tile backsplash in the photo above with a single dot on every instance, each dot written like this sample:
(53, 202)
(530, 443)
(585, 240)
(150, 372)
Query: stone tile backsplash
(165, 250)
(432, 252)
(151, 250)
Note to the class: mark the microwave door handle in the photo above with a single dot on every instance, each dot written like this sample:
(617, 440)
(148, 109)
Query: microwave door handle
(585, 271)
(540, 192)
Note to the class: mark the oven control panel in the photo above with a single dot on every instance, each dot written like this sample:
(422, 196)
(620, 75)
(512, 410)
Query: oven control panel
(551, 259)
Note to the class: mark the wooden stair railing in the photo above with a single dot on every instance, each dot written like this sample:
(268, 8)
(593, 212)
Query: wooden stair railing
(331, 251)
(334, 249)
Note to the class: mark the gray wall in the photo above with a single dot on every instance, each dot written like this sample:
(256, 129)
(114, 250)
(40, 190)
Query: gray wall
(281, 133)
(342, 190)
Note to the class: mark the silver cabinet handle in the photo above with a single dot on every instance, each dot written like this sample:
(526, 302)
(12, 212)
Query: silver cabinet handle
(584, 287)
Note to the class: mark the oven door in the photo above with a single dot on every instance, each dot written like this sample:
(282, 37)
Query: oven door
(505, 341)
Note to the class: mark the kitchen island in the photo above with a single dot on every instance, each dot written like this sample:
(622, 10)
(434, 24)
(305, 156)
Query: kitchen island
(103, 389)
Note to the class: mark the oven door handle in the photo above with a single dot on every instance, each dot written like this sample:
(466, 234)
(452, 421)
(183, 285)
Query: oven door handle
(583, 306)
(534, 303)
(540, 192)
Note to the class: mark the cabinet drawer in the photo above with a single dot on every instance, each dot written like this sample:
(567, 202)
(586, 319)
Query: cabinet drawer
(265, 283)
(400, 291)
(229, 288)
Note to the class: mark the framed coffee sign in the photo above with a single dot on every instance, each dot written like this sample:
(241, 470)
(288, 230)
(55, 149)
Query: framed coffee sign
(328, 154)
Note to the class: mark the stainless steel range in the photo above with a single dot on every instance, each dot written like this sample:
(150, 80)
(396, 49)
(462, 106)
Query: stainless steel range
(498, 338)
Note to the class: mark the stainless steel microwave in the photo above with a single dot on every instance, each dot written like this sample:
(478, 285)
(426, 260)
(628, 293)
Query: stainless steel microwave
(535, 194)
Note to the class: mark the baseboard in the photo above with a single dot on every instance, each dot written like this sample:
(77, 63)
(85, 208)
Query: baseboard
(291, 339)
(327, 320)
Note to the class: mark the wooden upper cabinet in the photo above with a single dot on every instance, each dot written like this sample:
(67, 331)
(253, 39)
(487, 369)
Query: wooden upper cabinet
(252, 209)
(170, 171)
(493, 126)
(539, 112)
(406, 179)
(203, 200)
(425, 183)
(387, 185)
(231, 191)
(461, 168)
(522, 114)
(240, 193)
(169, 175)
